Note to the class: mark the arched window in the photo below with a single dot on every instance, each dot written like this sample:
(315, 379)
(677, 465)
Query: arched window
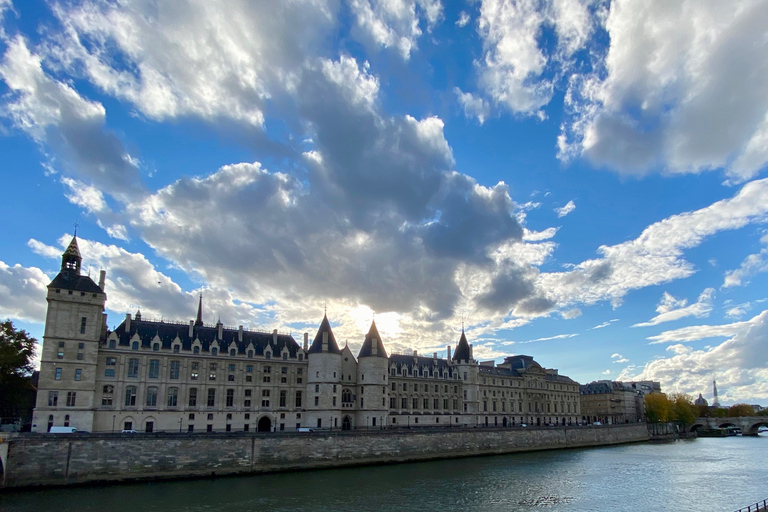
(152, 396)
(346, 396)
(130, 396)
(66, 420)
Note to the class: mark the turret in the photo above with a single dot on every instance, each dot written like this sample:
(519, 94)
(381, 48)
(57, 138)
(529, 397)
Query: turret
(373, 381)
(324, 379)
(469, 373)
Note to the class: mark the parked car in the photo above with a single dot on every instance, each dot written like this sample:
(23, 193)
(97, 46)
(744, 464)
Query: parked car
(130, 431)
(62, 430)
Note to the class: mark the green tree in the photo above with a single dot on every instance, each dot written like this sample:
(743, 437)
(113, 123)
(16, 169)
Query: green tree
(657, 407)
(683, 409)
(740, 410)
(16, 351)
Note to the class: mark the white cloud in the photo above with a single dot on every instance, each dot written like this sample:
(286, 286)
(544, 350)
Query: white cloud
(463, 19)
(548, 338)
(604, 324)
(700, 332)
(671, 309)
(474, 106)
(738, 364)
(606, 372)
(536, 236)
(682, 88)
(22, 293)
(739, 310)
(570, 314)
(752, 264)
(618, 358)
(395, 24)
(565, 210)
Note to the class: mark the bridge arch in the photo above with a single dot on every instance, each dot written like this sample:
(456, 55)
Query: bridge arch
(727, 424)
(697, 426)
(753, 429)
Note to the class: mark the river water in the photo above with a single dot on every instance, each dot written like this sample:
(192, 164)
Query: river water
(702, 475)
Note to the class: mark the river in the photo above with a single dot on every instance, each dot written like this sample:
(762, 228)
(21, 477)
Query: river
(702, 475)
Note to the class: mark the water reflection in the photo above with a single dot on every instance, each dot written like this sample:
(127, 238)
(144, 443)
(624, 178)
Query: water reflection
(705, 474)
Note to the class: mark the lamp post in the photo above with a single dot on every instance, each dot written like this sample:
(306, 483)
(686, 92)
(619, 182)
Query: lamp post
(113, 423)
(180, 424)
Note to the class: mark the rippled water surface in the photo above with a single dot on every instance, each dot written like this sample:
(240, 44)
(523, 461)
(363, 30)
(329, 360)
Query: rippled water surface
(701, 475)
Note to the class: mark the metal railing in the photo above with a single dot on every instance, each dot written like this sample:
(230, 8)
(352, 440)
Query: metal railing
(760, 505)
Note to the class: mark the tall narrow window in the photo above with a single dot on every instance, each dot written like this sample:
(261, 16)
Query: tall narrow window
(71, 396)
(211, 397)
(174, 370)
(152, 396)
(192, 397)
(173, 397)
(133, 368)
(283, 395)
(83, 321)
(154, 368)
(78, 373)
(53, 398)
(298, 399)
(130, 396)
(230, 397)
(57, 376)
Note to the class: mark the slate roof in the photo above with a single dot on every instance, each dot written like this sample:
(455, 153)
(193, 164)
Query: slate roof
(71, 281)
(462, 349)
(520, 362)
(317, 344)
(426, 364)
(168, 332)
(366, 349)
(604, 387)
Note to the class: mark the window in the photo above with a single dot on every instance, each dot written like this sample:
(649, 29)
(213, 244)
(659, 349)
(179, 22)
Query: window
(247, 403)
(317, 388)
(298, 399)
(111, 361)
(83, 321)
(152, 396)
(392, 402)
(426, 403)
(80, 356)
(233, 352)
(174, 370)
(230, 397)
(57, 376)
(106, 400)
(211, 397)
(249, 378)
(268, 355)
(78, 373)
(192, 397)
(317, 401)
(250, 353)
(60, 355)
(112, 344)
(415, 403)
(249, 368)
(267, 369)
(191, 416)
(212, 371)
(173, 397)
(155, 347)
(196, 350)
(53, 398)
(176, 349)
(135, 345)
(133, 368)
(194, 372)
(283, 395)
(214, 351)
(71, 397)
(130, 396)
(154, 368)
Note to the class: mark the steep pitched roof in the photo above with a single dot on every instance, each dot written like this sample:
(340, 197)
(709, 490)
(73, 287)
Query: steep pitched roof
(72, 249)
(462, 352)
(76, 282)
(317, 344)
(367, 349)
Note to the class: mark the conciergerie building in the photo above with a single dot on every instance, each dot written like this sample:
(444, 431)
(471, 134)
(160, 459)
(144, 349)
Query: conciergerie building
(191, 377)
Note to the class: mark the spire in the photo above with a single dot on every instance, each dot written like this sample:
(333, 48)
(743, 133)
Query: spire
(372, 346)
(199, 321)
(324, 341)
(71, 259)
(137, 316)
(462, 352)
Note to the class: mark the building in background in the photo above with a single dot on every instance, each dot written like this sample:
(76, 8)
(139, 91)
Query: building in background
(612, 402)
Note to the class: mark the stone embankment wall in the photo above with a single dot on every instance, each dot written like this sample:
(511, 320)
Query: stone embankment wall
(61, 459)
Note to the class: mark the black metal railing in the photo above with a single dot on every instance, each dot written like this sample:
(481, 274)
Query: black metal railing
(760, 505)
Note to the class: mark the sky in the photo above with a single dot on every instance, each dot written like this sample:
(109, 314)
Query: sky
(582, 181)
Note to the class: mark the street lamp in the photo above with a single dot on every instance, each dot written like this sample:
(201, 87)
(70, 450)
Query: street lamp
(180, 424)
(113, 423)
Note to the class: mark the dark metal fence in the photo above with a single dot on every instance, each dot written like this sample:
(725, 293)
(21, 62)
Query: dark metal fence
(760, 505)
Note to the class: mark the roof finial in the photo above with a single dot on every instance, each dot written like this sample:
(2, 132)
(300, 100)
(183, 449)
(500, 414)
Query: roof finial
(325, 308)
(76, 219)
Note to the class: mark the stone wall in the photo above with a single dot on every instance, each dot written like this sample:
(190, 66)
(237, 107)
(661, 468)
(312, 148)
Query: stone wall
(61, 459)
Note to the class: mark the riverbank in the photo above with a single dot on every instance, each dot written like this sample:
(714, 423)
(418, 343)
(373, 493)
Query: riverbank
(61, 459)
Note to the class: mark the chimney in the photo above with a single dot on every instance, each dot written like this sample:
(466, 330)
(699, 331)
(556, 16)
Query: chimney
(449, 352)
(240, 333)
(415, 353)
(191, 329)
(102, 279)
(128, 322)
(471, 352)
(434, 355)
(221, 330)
(274, 337)
(306, 341)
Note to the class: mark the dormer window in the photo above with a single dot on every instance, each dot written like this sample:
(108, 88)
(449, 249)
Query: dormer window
(233, 352)
(135, 345)
(214, 351)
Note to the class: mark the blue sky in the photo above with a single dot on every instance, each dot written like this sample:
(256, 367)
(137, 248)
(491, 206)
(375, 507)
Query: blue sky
(581, 181)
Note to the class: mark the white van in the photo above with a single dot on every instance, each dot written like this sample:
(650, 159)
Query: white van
(62, 430)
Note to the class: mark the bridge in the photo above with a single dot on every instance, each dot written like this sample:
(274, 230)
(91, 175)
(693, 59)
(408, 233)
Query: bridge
(749, 425)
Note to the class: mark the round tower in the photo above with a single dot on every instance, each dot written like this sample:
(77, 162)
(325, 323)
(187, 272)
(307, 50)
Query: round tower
(469, 373)
(323, 407)
(372, 382)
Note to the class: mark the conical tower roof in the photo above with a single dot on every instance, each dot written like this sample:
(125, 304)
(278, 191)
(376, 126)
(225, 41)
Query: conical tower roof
(317, 344)
(372, 346)
(72, 249)
(199, 320)
(462, 352)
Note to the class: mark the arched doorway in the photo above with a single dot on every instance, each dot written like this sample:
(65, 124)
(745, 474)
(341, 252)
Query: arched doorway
(538, 422)
(264, 425)
(504, 422)
(346, 423)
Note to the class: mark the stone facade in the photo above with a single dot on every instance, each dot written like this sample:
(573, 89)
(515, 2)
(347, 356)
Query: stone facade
(612, 402)
(164, 376)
